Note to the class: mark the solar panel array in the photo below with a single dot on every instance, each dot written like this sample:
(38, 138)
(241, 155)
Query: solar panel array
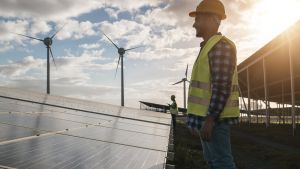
(46, 131)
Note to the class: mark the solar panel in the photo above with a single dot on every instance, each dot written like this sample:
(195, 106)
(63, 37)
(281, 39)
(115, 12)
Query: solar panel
(10, 132)
(82, 105)
(45, 131)
(70, 152)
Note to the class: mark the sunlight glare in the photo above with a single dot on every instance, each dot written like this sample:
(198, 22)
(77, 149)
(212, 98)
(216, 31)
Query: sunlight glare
(271, 17)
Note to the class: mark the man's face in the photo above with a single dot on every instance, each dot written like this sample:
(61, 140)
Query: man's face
(201, 24)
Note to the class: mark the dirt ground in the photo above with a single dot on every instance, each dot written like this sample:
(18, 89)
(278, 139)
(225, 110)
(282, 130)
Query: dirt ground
(254, 147)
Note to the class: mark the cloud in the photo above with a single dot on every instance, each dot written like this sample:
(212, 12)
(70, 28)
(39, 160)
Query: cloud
(5, 46)
(113, 13)
(48, 9)
(241, 5)
(8, 28)
(90, 46)
(159, 93)
(20, 68)
(76, 67)
(39, 26)
(67, 87)
(120, 29)
(80, 67)
(59, 10)
(74, 29)
(134, 5)
(163, 53)
(157, 17)
(173, 13)
(133, 34)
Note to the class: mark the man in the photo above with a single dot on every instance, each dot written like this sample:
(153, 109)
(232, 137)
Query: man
(173, 111)
(213, 93)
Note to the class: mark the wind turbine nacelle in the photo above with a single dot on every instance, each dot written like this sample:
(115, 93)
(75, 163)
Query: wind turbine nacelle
(121, 51)
(48, 41)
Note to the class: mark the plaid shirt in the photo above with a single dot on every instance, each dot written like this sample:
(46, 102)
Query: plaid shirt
(222, 61)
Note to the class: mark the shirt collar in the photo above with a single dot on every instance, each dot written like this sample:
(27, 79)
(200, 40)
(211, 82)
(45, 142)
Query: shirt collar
(204, 42)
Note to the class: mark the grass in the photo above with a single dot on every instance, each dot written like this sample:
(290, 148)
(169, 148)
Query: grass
(254, 147)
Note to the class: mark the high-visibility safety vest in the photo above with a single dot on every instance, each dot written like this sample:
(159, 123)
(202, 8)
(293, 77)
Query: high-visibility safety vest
(174, 108)
(200, 87)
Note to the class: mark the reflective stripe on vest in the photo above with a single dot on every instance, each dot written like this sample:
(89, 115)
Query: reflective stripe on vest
(200, 86)
(207, 86)
(197, 100)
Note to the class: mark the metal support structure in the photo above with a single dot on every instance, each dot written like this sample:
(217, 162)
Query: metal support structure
(283, 106)
(48, 70)
(256, 111)
(249, 99)
(282, 99)
(240, 92)
(292, 85)
(184, 94)
(122, 81)
(266, 93)
(261, 117)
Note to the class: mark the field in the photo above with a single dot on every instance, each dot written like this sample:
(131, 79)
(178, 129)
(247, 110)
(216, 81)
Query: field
(254, 147)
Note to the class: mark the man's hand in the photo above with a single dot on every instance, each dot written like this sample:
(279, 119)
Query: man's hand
(207, 128)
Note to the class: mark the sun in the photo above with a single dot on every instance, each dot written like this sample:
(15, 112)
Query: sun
(271, 17)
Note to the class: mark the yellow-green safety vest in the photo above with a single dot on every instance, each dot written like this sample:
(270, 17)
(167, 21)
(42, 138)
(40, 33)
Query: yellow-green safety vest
(173, 110)
(200, 87)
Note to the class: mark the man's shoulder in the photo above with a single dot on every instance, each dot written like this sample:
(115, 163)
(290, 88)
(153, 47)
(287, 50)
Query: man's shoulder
(224, 46)
(225, 43)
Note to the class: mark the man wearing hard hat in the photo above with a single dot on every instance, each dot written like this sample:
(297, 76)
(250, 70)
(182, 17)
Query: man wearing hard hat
(213, 92)
(173, 111)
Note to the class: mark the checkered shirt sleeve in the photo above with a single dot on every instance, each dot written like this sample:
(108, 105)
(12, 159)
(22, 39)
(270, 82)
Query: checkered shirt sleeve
(222, 61)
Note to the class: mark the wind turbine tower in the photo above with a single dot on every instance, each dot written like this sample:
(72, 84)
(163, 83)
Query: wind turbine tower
(184, 80)
(121, 52)
(47, 42)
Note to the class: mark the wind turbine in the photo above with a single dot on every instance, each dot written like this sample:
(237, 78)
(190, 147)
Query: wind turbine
(184, 80)
(121, 52)
(48, 42)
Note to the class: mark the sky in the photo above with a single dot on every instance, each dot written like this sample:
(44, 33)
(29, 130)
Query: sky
(86, 61)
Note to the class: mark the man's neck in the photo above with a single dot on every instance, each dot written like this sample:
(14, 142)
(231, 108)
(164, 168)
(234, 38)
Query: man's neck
(208, 35)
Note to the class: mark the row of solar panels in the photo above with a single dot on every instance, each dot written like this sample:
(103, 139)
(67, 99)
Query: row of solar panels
(45, 131)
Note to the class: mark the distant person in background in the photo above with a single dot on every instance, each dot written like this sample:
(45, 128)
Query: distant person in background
(213, 92)
(173, 110)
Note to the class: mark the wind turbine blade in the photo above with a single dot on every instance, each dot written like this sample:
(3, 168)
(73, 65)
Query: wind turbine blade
(110, 40)
(186, 71)
(133, 48)
(178, 82)
(57, 31)
(117, 66)
(53, 58)
(30, 37)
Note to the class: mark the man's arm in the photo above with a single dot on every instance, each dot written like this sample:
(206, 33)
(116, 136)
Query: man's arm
(222, 60)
